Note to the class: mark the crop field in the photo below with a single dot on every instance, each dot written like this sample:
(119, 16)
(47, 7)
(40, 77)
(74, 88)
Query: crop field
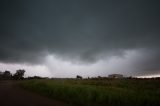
(98, 92)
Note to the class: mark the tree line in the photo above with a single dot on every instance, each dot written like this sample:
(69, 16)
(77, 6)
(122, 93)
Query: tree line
(7, 75)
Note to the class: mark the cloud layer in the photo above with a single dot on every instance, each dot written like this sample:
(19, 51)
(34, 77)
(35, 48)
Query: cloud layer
(80, 31)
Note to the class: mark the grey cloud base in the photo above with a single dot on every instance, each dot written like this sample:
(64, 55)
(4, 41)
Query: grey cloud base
(78, 30)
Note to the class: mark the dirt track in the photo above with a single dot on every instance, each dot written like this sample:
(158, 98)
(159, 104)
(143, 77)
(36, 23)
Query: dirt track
(11, 95)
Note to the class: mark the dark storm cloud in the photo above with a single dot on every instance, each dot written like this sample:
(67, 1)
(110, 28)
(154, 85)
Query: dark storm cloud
(85, 30)
(145, 61)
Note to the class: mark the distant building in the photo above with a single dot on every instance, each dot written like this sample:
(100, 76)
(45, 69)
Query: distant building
(79, 77)
(115, 76)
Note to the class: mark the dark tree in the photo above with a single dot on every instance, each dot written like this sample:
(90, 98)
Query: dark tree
(7, 75)
(19, 74)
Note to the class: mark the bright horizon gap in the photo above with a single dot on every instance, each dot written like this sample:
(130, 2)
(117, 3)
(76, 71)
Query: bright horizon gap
(54, 66)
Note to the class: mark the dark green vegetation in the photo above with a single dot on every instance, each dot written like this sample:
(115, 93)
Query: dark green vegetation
(106, 92)
(7, 75)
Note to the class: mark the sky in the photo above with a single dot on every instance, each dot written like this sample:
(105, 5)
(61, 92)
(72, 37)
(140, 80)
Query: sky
(65, 38)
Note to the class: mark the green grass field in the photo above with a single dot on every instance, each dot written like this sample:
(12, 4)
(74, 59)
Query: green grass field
(106, 92)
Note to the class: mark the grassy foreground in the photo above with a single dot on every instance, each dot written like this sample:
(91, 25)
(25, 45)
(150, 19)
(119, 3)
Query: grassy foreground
(108, 92)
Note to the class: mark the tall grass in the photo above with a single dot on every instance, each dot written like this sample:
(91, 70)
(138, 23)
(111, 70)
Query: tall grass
(128, 92)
